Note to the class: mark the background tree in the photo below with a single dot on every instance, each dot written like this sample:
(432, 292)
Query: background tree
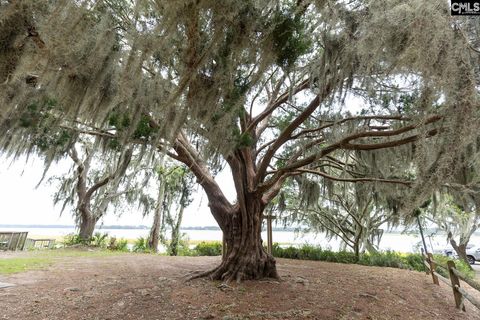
(175, 185)
(158, 218)
(458, 224)
(92, 188)
(355, 212)
(455, 205)
(352, 216)
(179, 186)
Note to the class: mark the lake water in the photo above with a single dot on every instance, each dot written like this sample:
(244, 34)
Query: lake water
(390, 241)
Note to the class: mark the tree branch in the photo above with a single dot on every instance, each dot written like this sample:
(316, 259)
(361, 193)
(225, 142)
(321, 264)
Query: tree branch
(274, 105)
(355, 180)
(218, 203)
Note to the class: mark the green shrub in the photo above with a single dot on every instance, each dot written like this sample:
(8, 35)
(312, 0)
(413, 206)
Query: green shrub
(99, 240)
(117, 244)
(381, 259)
(183, 248)
(288, 253)
(309, 252)
(345, 257)
(141, 245)
(461, 266)
(415, 262)
(213, 248)
(72, 239)
(385, 259)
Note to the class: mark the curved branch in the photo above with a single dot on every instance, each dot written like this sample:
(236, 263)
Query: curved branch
(97, 186)
(285, 135)
(274, 105)
(355, 180)
(342, 121)
(346, 145)
(218, 203)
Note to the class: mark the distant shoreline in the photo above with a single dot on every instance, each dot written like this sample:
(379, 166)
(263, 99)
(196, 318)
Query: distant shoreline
(118, 227)
(198, 228)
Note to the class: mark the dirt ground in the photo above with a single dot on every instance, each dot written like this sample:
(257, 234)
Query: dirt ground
(141, 286)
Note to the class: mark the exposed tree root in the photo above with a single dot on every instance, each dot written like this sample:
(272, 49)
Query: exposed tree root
(197, 274)
(231, 270)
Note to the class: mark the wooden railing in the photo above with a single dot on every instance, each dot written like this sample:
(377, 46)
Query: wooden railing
(459, 293)
(12, 240)
(40, 243)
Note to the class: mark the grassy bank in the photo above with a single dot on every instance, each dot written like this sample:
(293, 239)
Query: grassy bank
(41, 259)
(14, 265)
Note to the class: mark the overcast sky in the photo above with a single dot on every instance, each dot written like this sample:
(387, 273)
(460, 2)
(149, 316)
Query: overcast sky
(22, 203)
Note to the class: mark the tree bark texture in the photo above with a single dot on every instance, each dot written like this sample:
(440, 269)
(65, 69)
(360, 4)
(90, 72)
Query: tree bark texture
(87, 226)
(176, 233)
(245, 256)
(154, 236)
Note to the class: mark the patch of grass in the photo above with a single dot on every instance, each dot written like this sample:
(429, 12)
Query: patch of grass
(35, 260)
(15, 265)
(77, 252)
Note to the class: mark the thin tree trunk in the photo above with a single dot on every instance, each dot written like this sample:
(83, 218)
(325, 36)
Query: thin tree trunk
(176, 233)
(356, 249)
(154, 236)
(461, 250)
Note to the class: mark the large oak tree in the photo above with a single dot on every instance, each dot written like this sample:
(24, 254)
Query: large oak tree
(264, 86)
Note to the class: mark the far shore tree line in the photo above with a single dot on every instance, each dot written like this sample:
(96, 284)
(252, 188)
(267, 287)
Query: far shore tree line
(346, 116)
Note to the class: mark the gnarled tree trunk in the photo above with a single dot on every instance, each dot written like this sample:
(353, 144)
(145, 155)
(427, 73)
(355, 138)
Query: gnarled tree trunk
(245, 256)
(86, 226)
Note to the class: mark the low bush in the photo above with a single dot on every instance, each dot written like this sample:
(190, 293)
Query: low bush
(115, 244)
(210, 248)
(99, 240)
(72, 239)
(141, 245)
(461, 266)
(391, 259)
(382, 259)
(183, 248)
